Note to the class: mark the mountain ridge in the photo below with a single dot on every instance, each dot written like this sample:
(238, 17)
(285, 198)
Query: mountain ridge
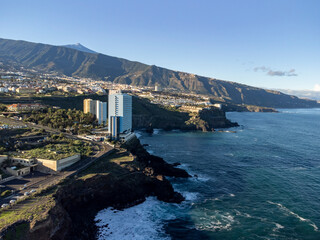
(72, 62)
(80, 47)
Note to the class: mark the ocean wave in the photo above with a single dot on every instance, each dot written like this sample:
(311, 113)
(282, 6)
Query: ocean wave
(277, 227)
(247, 215)
(150, 151)
(288, 211)
(297, 168)
(190, 196)
(138, 135)
(229, 154)
(144, 221)
(195, 175)
(216, 222)
(156, 131)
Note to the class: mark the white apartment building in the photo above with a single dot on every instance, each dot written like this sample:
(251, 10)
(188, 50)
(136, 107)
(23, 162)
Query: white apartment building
(119, 114)
(101, 112)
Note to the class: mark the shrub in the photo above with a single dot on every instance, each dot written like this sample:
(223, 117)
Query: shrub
(5, 193)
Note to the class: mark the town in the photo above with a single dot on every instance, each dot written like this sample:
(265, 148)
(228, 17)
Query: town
(22, 82)
(35, 156)
(41, 145)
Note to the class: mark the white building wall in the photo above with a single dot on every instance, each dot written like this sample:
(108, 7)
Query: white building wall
(101, 112)
(121, 105)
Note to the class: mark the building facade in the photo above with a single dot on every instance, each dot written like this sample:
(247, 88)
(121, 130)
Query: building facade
(119, 114)
(101, 110)
(97, 108)
(24, 107)
(22, 90)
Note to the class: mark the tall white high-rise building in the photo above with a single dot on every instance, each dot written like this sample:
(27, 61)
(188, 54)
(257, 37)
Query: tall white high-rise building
(119, 114)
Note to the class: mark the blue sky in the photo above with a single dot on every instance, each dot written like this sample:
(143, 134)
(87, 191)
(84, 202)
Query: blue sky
(271, 43)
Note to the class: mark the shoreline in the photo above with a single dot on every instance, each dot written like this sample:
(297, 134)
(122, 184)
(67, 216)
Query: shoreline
(78, 201)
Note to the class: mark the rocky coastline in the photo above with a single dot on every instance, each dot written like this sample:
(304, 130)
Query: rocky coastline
(77, 201)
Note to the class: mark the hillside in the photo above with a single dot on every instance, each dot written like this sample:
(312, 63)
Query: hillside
(72, 62)
(79, 47)
(144, 113)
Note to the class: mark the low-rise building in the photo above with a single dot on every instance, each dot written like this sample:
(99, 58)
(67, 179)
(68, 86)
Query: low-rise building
(23, 90)
(18, 170)
(193, 109)
(17, 107)
(46, 165)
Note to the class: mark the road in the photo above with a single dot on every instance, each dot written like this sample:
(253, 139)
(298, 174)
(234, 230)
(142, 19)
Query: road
(47, 180)
(41, 181)
(11, 121)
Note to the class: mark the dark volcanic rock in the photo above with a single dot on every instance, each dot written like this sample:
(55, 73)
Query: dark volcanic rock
(78, 201)
(158, 165)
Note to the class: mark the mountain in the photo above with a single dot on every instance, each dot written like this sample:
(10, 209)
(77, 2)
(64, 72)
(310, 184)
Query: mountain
(79, 47)
(72, 62)
(309, 94)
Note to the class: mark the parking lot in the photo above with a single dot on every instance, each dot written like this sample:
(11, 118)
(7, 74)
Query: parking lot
(30, 182)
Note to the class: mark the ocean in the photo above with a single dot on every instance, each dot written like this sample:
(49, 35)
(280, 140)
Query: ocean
(260, 182)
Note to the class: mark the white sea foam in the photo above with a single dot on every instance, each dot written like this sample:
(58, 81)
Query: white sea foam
(298, 168)
(247, 215)
(140, 222)
(288, 211)
(196, 176)
(216, 222)
(277, 227)
(138, 135)
(149, 151)
(229, 154)
(190, 196)
(202, 178)
(156, 131)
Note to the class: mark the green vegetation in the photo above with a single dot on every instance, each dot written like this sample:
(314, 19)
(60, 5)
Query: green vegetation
(8, 137)
(34, 208)
(14, 132)
(107, 165)
(99, 66)
(147, 114)
(18, 233)
(58, 148)
(73, 120)
(2, 150)
(3, 108)
(5, 193)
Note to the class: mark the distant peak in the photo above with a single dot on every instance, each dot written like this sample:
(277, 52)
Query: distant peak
(80, 47)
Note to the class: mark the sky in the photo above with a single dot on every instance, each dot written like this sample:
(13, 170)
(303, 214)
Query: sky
(264, 43)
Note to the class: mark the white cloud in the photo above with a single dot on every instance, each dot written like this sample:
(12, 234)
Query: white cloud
(279, 73)
(316, 87)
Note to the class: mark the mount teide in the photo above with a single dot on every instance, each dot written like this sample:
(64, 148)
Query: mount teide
(73, 62)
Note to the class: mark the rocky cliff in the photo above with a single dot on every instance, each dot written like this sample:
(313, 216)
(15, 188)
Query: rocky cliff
(211, 118)
(146, 114)
(78, 200)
